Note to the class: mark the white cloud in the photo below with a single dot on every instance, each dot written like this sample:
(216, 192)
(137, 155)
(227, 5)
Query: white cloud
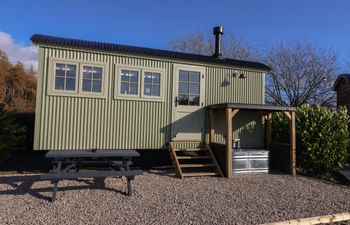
(28, 55)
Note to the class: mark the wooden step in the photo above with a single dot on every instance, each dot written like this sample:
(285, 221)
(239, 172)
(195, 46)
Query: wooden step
(191, 150)
(200, 174)
(196, 165)
(194, 157)
(186, 141)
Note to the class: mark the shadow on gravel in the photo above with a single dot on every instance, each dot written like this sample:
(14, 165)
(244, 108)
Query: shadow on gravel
(163, 172)
(22, 185)
(25, 162)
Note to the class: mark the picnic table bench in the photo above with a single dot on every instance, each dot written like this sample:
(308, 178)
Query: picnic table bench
(67, 164)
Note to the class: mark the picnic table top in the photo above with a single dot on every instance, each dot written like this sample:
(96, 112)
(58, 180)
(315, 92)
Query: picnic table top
(89, 153)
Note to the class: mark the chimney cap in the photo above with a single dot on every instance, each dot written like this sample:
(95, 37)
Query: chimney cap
(218, 30)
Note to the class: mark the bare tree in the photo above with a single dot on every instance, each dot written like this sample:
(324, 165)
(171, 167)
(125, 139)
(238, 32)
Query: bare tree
(199, 43)
(302, 73)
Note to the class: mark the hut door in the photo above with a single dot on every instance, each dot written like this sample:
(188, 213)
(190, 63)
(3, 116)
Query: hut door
(188, 103)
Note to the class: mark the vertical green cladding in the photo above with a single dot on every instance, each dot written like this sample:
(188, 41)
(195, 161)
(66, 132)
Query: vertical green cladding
(223, 86)
(64, 122)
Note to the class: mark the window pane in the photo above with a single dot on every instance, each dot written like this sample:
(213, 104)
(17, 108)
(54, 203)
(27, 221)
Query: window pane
(194, 88)
(147, 89)
(183, 75)
(194, 100)
(133, 89)
(155, 90)
(60, 69)
(70, 84)
(156, 78)
(96, 86)
(87, 72)
(134, 76)
(86, 85)
(71, 70)
(125, 75)
(183, 99)
(97, 71)
(124, 89)
(148, 78)
(194, 76)
(183, 87)
(59, 83)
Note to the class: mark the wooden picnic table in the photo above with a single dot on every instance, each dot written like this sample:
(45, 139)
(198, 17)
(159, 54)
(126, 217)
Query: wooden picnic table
(73, 164)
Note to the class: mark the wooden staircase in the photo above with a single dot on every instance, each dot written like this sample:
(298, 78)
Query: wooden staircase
(193, 158)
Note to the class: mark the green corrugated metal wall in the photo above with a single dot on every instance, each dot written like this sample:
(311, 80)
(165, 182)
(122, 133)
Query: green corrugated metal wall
(222, 88)
(82, 123)
(246, 125)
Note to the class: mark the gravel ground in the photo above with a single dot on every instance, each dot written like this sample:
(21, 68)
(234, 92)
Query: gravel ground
(159, 198)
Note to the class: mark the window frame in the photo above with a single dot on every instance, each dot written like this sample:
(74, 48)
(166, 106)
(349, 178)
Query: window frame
(140, 96)
(103, 92)
(52, 78)
(194, 68)
(79, 78)
(117, 83)
(161, 85)
(189, 82)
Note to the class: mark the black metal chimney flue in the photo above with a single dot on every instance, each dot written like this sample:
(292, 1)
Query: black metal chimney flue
(218, 31)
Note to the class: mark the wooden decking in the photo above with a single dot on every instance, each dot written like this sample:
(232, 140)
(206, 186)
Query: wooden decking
(193, 161)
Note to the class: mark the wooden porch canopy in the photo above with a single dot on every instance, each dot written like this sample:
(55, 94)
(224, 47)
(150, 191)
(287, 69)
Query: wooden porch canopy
(266, 111)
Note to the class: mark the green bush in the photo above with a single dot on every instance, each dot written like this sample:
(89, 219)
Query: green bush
(322, 138)
(7, 129)
(280, 128)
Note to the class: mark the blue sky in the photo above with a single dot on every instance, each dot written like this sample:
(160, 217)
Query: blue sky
(154, 23)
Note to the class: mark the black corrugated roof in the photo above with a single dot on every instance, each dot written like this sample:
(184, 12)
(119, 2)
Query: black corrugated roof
(344, 76)
(110, 47)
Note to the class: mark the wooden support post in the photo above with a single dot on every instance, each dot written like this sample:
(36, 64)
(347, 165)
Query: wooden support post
(234, 112)
(292, 144)
(212, 114)
(229, 142)
(287, 114)
(268, 122)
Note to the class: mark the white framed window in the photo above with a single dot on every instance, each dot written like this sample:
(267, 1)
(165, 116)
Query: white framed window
(77, 78)
(189, 87)
(138, 83)
(151, 84)
(93, 79)
(129, 82)
(65, 76)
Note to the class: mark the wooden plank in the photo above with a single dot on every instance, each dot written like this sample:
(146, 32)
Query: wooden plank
(292, 144)
(268, 130)
(218, 168)
(234, 112)
(315, 220)
(194, 157)
(190, 149)
(197, 165)
(185, 141)
(175, 161)
(287, 114)
(212, 118)
(228, 142)
(201, 174)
